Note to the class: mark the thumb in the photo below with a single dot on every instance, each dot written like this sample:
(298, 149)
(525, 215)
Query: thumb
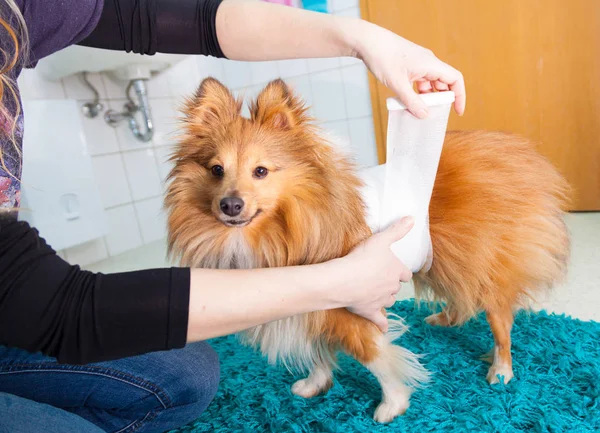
(398, 230)
(410, 98)
(380, 321)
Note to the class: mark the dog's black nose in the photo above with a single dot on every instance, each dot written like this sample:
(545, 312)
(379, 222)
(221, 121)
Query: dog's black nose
(232, 206)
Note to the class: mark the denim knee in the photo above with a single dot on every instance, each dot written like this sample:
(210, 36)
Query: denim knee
(195, 378)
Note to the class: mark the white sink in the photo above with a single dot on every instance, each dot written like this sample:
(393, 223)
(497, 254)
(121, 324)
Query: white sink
(125, 66)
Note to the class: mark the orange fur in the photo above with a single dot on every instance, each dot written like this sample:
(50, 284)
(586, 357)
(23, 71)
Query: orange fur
(495, 220)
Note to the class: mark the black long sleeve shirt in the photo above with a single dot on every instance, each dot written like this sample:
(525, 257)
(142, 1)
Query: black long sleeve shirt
(49, 305)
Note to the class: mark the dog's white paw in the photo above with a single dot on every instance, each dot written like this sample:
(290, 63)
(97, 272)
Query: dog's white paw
(388, 410)
(308, 388)
(499, 370)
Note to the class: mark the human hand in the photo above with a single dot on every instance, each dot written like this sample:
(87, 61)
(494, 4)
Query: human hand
(398, 63)
(372, 274)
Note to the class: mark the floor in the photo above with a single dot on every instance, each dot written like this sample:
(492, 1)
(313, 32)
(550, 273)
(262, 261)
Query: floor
(578, 297)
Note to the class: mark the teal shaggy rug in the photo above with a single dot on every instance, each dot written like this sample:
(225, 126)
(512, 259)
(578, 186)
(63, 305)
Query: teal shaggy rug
(556, 386)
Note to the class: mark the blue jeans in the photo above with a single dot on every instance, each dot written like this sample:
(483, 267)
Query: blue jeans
(147, 393)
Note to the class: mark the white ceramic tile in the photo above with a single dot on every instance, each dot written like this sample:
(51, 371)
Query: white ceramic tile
(357, 93)
(33, 86)
(158, 86)
(184, 78)
(339, 133)
(362, 136)
(75, 87)
(162, 155)
(87, 253)
(263, 72)
(125, 137)
(109, 173)
(340, 5)
(59, 186)
(292, 68)
(152, 219)
(248, 94)
(165, 117)
(149, 256)
(317, 65)
(211, 67)
(237, 74)
(100, 137)
(142, 173)
(124, 232)
(302, 88)
(328, 95)
(115, 89)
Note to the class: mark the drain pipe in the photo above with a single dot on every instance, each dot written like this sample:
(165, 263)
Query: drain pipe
(113, 118)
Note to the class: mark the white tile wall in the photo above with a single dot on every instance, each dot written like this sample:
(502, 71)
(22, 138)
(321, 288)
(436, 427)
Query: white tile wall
(142, 173)
(328, 95)
(100, 139)
(87, 253)
(356, 94)
(165, 115)
(124, 230)
(109, 172)
(152, 219)
(131, 174)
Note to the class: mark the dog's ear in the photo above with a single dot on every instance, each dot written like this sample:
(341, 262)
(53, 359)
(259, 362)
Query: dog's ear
(278, 107)
(212, 103)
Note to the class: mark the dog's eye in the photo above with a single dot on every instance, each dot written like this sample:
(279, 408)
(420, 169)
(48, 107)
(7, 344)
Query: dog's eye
(260, 172)
(217, 171)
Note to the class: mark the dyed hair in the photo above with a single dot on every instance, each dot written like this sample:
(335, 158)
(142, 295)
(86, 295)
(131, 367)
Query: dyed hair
(12, 52)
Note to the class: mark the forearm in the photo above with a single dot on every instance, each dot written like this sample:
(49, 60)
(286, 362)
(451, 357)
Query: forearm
(279, 32)
(223, 302)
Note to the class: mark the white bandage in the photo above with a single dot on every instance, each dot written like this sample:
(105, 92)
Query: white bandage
(403, 186)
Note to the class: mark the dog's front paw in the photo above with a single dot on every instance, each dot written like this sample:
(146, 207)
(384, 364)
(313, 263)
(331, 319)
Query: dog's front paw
(308, 388)
(388, 410)
(499, 370)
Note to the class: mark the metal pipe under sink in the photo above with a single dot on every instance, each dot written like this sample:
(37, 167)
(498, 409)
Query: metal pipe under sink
(114, 118)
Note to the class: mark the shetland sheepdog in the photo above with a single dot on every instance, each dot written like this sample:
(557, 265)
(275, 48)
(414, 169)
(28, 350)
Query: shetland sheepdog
(272, 191)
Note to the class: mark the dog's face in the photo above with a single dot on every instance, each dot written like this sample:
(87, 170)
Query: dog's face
(242, 177)
(240, 169)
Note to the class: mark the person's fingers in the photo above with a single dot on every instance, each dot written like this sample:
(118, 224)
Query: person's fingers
(407, 95)
(424, 86)
(460, 95)
(391, 301)
(397, 230)
(455, 82)
(381, 321)
(406, 275)
(446, 74)
(440, 86)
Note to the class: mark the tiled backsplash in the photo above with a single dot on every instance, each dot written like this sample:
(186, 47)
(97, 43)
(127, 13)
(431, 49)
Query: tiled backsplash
(130, 173)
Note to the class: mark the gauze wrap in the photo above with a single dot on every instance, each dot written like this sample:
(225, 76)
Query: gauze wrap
(403, 185)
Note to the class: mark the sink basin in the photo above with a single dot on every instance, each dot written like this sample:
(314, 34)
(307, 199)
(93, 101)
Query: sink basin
(124, 66)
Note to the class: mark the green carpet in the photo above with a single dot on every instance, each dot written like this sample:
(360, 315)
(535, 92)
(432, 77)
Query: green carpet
(556, 386)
